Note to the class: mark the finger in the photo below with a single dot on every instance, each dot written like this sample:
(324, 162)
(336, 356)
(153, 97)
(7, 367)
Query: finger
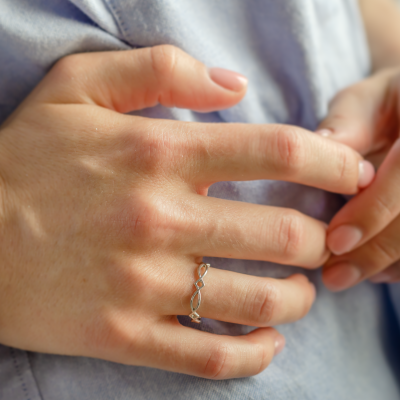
(371, 211)
(135, 79)
(342, 272)
(241, 299)
(203, 153)
(349, 120)
(227, 152)
(233, 229)
(206, 355)
(389, 275)
(353, 117)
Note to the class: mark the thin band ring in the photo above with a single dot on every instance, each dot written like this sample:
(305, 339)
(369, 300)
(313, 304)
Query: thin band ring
(194, 316)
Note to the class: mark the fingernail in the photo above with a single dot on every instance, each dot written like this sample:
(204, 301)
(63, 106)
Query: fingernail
(343, 239)
(228, 79)
(279, 344)
(382, 277)
(324, 132)
(366, 173)
(341, 276)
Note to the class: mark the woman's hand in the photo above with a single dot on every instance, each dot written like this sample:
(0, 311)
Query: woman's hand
(365, 234)
(104, 216)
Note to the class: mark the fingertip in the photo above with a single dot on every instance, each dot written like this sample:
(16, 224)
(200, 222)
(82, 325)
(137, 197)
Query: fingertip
(366, 174)
(341, 276)
(343, 239)
(260, 335)
(314, 291)
(336, 133)
(227, 79)
(280, 343)
(303, 279)
(299, 278)
(324, 132)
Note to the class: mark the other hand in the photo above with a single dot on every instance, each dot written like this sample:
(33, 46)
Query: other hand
(365, 234)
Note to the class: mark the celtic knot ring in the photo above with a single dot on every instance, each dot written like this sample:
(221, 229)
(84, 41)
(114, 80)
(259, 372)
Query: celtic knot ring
(196, 317)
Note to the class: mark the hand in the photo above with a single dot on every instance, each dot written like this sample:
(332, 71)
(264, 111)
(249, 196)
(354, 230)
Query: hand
(365, 234)
(105, 217)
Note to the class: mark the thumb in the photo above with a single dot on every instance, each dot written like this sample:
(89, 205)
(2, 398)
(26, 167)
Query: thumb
(135, 79)
(350, 119)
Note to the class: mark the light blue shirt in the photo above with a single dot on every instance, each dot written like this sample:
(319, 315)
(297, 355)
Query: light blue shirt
(297, 55)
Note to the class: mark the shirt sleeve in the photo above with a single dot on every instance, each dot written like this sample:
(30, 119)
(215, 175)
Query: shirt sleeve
(34, 34)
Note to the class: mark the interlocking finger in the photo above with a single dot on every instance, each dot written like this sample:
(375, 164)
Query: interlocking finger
(242, 299)
(389, 275)
(366, 261)
(229, 152)
(180, 349)
(232, 229)
(371, 211)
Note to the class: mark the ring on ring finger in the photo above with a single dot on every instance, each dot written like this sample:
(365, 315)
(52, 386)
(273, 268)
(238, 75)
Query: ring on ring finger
(194, 315)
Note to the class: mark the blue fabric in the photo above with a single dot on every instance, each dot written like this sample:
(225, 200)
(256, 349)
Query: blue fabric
(297, 54)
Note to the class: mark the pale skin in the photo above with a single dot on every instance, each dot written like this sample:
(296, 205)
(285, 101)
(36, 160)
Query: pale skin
(104, 216)
(365, 235)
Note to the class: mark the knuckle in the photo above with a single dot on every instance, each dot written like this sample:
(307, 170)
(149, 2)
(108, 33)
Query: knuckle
(344, 173)
(153, 152)
(350, 93)
(290, 235)
(163, 60)
(384, 252)
(291, 150)
(342, 95)
(145, 222)
(105, 333)
(223, 361)
(263, 300)
(343, 165)
(131, 283)
(394, 271)
(306, 306)
(383, 209)
(66, 68)
(150, 221)
(125, 286)
(152, 159)
(219, 362)
(98, 333)
(263, 355)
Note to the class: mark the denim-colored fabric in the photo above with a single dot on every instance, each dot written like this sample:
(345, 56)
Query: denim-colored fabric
(297, 54)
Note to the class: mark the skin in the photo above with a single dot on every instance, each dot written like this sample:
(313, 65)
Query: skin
(366, 116)
(104, 217)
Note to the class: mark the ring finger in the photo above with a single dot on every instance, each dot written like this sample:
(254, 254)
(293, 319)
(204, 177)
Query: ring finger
(238, 298)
